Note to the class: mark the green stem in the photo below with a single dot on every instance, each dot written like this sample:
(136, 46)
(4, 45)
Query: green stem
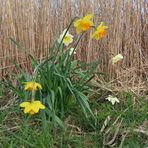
(32, 95)
(75, 47)
(33, 91)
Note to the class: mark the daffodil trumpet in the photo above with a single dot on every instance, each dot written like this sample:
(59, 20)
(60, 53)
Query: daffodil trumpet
(68, 38)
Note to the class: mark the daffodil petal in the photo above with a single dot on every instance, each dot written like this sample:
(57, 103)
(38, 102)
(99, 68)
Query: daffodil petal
(117, 58)
(112, 99)
(42, 106)
(39, 85)
(27, 109)
(68, 38)
(36, 109)
(24, 104)
(39, 104)
(88, 17)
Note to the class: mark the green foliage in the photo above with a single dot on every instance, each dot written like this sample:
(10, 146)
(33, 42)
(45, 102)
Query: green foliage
(22, 131)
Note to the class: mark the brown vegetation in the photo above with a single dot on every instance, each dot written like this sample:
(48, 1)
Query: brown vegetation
(34, 24)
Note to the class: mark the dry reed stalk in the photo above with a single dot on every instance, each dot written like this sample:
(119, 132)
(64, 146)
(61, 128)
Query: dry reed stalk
(34, 24)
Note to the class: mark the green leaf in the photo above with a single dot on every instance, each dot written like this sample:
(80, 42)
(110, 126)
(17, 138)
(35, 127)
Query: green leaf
(59, 121)
(83, 100)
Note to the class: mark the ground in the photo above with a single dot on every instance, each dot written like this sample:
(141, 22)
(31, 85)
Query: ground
(123, 125)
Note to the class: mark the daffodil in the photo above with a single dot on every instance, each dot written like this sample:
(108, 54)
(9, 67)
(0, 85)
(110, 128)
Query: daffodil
(84, 24)
(32, 86)
(117, 58)
(112, 99)
(68, 38)
(71, 51)
(33, 107)
(100, 31)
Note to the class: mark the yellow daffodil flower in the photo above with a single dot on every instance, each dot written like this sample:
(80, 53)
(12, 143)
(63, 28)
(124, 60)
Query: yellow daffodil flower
(33, 107)
(100, 31)
(68, 38)
(112, 99)
(117, 58)
(84, 24)
(32, 86)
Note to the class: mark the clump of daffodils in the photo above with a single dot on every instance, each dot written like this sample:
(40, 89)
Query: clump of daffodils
(33, 106)
(112, 99)
(117, 58)
(82, 25)
(67, 38)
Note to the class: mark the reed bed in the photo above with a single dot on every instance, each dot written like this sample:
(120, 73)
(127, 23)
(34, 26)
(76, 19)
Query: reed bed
(35, 23)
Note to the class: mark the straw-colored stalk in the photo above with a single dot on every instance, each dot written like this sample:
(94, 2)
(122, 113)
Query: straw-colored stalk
(35, 23)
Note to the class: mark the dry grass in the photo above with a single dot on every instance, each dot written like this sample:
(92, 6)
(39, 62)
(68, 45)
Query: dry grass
(34, 23)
